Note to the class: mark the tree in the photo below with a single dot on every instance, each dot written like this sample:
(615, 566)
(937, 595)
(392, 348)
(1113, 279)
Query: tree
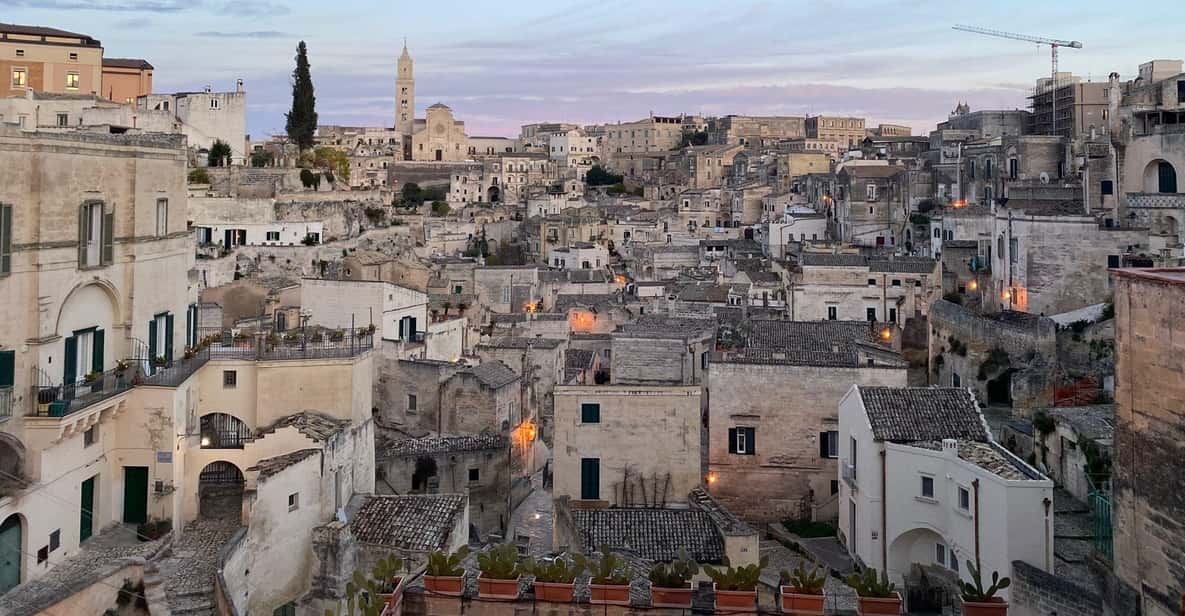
(219, 155)
(334, 160)
(698, 137)
(302, 120)
(263, 158)
(199, 176)
(598, 176)
(440, 208)
(412, 195)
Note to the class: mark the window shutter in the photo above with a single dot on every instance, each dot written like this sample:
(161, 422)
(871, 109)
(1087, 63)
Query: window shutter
(108, 237)
(751, 441)
(152, 342)
(732, 440)
(169, 337)
(823, 445)
(71, 358)
(5, 239)
(82, 236)
(7, 368)
(189, 326)
(97, 351)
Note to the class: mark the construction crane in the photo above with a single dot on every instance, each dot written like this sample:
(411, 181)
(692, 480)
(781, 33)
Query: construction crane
(1053, 45)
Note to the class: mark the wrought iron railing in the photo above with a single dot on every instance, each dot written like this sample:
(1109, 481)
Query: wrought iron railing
(173, 373)
(50, 400)
(1100, 508)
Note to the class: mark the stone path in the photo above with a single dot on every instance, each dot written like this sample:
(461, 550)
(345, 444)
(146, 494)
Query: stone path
(187, 571)
(533, 518)
(99, 557)
(840, 597)
(1073, 539)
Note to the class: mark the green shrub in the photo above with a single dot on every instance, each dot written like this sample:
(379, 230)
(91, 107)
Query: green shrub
(976, 593)
(555, 571)
(610, 569)
(809, 529)
(199, 176)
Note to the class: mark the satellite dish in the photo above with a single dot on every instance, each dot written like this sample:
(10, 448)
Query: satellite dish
(1044, 177)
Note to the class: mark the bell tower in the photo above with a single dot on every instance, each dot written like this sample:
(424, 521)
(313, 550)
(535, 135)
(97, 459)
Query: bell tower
(405, 94)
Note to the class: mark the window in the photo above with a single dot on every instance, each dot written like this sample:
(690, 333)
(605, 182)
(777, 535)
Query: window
(294, 501)
(73, 56)
(20, 53)
(928, 487)
(88, 437)
(872, 282)
(214, 103)
(1013, 168)
(590, 478)
(55, 540)
(288, 609)
(937, 233)
(892, 315)
(832, 313)
(506, 295)
(72, 80)
(829, 444)
(162, 217)
(474, 475)
(987, 168)
(870, 313)
(955, 380)
(20, 78)
(971, 169)
(273, 236)
(964, 499)
(43, 554)
(954, 562)
(1013, 249)
(1112, 260)
(742, 441)
(590, 413)
(870, 192)
(63, 120)
(896, 282)
(940, 554)
(230, 378)
(1107, 187)
(411, 403)
(834, 487)
(94, 235)
(5, 239)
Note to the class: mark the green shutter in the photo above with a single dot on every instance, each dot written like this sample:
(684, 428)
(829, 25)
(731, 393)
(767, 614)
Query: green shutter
(751, 441)
(97, 354)
(590, 478)
(108, 237)
(82, 236)
(71, 358)
(189, 342)
(590, 413)
(152, 342)
(169, 337)
(7, 368)
(732, 440)
(5, 239)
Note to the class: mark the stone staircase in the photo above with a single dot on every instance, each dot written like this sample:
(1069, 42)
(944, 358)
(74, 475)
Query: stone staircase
(185, 574)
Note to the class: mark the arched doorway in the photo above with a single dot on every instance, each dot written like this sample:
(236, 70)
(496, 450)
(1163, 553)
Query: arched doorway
(222, 431)
(493, 194)
(1160, 177)
(424, 479)
(11, 552)
(999, 389)
(220, 491)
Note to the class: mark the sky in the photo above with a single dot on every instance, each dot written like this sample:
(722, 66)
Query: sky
(503, 64)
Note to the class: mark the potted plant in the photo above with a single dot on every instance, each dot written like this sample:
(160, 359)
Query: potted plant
(609, 581)
(877, 595)
(980, 602)
(444, 575)
(386, 573)
(554, 579)
(670, 583)
(500, 572)
(802, 590)
(736, 587)
(160, 361)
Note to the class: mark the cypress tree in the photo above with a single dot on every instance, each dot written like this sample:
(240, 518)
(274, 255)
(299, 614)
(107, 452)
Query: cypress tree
(302, 120)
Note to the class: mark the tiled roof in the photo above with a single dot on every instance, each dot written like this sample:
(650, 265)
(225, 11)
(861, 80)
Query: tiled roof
(806, 343)
(439, 444)
(521, 342)
(990, 457)
(872, 171)
(910, 414)
(410, 522)
(41, 31)
(657, 326)
(1094, 422)
(135, 63)
(907, 265)
(314, 425)
(270, 466)
(653, 534)
(493, 374)
(826, 259)
(578, 359)
(564, 302)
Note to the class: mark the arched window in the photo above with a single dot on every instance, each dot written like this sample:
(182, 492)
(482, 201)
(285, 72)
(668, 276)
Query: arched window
(222, 431)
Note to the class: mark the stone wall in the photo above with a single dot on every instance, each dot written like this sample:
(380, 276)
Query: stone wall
(399, 378)
(1037, 593)
(487, 494)
(965, 339)
(1148, 485)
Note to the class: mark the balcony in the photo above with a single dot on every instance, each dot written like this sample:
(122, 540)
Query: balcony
(1156, 200)
(50, 400)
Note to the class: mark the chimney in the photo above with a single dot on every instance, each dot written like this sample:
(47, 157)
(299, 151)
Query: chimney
(239, 86)
(950, 448)
(207, 89)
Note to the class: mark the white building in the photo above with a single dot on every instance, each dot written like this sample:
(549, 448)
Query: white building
(798, 224)
(578, 255)
(277, 233)
(398, 313)
(204, 116)
(922, 482)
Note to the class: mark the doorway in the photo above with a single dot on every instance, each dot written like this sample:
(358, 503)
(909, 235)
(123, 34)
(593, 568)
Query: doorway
(11, 552)
(135, 494)
(86, 513)
(999, 389)
(590, 479)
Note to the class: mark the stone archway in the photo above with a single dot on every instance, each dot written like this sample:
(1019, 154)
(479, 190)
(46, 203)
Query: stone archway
(494, 194)
(220, 491)
(1160, 177)
(223, 431)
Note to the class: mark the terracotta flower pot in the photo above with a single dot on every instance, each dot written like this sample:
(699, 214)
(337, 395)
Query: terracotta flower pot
(393, 599)
(556, 592)
(874, 605)
(794, 602)
(995, 607)
(444, 584)
(610, 594)
(736, 599)
(670, 597)
(489, 588)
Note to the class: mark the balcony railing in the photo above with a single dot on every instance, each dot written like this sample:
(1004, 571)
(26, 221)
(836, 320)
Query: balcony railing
(1156, 200)
(296, 344)
(51, 400)
(5, 402)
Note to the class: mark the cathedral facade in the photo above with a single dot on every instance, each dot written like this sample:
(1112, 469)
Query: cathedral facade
(436, 137)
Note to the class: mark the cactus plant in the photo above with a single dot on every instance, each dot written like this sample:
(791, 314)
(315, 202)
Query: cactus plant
(554, 571)
(803, 581)
(867, 584)
(500, 563)
(736, 578)
(675, 574)
(444, 564)
(610, 569)
(975, 593)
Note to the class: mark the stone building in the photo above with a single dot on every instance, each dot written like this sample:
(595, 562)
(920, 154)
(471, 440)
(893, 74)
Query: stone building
(864, 211)
(771, 415)
(627, 445)
(1149, 549)
(651, 134)
(49, 60)
(852, 287)
(539, 362)
(126, 79)
(405, 97)
(419, 397)
(840, 133)
(659, 350)
(756, 131)
(205, 117)
(1080, 108)
(439, 137)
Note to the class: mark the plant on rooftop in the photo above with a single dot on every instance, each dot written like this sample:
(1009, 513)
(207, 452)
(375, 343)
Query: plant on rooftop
(554, 579)
(736, 587)
(500, 563)
(370, 595)
(868, 584)
(444, 574)
(610, 577)
(978, 601)
(802, 589)
(670, 583)
(219, 154)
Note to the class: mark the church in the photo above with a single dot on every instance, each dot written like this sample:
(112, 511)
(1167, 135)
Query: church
(436, 137)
